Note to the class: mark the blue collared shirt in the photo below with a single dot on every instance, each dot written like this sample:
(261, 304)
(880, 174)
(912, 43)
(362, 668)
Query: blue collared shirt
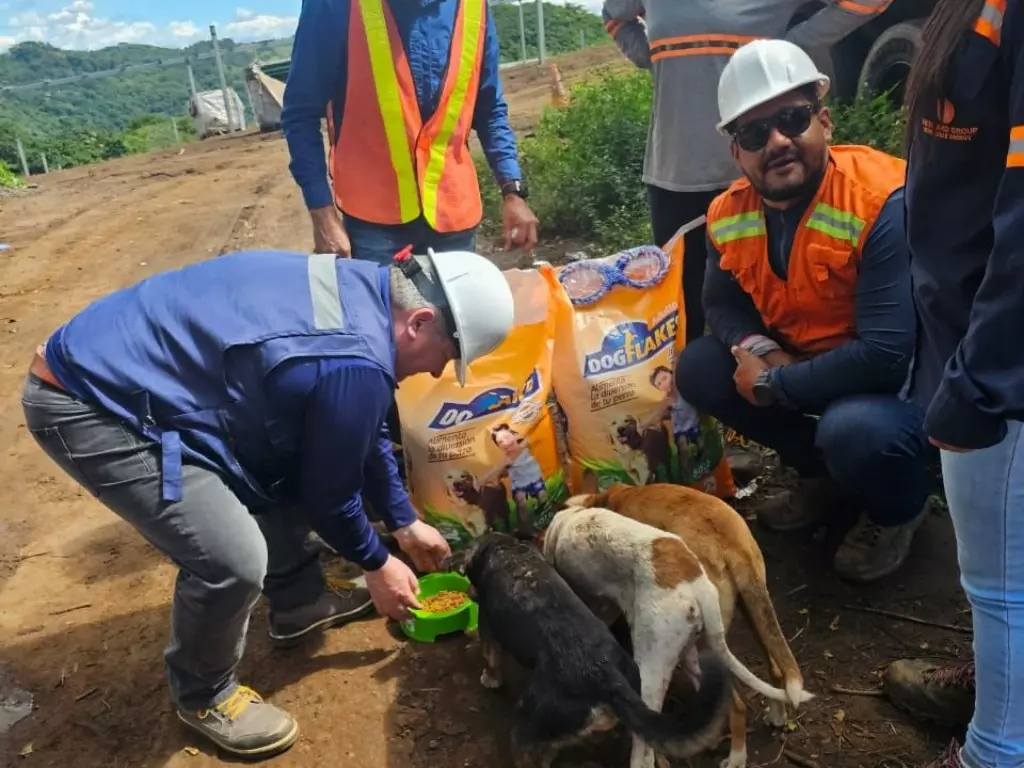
(319, 74)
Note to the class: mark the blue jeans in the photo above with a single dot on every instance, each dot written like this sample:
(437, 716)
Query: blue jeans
(380, 242)
(872, 445)
(985, 491)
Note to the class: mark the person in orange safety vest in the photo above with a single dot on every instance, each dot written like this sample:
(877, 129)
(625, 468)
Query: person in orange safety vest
(401, 85)
(807, 295)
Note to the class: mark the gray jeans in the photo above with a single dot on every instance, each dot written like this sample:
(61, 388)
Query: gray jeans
(225, 555)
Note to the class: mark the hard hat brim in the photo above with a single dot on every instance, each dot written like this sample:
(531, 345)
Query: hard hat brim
(823, 82)
(442, 279)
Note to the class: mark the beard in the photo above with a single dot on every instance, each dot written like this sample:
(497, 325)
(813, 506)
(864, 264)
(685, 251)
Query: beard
(782, 191)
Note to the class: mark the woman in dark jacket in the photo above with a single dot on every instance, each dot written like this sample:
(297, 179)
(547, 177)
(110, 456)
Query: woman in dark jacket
(965, 224)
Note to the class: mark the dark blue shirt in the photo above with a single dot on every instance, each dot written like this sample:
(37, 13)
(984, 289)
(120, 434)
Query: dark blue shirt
(318, 74)
(328, 418)
(876, 359)
(965, 222)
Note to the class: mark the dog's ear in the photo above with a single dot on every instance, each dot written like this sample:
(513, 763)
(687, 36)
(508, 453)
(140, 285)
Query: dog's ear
(458, 562)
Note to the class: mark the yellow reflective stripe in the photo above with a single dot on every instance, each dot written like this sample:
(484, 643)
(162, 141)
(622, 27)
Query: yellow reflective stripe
(842, 225)
(385, 81)
(738, 227)
(471, 27)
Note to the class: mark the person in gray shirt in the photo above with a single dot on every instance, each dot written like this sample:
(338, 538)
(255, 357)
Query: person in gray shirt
(686, 45)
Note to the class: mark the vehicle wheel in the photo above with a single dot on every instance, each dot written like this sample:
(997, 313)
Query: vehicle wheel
(887, 65)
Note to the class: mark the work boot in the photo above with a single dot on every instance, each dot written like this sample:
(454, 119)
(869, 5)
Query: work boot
(870, 551)
(801, 507)
(745, 463)
(950, 758)
(244, 724)
(340, 602)
(943, 695)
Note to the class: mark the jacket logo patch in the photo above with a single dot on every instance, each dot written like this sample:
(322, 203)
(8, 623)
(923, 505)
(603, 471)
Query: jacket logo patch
(942, 127)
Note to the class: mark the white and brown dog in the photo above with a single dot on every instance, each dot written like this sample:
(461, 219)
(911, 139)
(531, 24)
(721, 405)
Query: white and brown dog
(731, 558)
(660, 587)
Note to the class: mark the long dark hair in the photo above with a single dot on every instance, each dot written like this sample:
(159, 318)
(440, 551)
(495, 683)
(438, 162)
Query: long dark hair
(948, 23)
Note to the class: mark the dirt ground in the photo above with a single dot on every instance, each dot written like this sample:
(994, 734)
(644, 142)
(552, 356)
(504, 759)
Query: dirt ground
(84, 601)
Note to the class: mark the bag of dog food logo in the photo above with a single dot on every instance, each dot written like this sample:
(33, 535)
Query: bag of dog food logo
(614, 377)
(485, 457)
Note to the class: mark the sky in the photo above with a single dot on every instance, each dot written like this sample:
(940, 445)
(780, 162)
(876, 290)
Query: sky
(91, 24)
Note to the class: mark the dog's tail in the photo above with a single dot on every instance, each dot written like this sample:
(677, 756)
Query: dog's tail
(714, 629)
(749, 579)
(679, 736)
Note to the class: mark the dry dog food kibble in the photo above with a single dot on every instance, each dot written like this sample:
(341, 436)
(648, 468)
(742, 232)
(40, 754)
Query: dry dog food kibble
(445, 600)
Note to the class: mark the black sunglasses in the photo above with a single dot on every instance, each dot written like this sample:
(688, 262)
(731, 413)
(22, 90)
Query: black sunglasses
(753, 135)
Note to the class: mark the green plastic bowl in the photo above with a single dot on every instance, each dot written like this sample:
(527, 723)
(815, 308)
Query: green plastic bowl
(426, 627)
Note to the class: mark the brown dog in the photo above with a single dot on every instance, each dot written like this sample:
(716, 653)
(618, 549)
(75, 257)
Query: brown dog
(492, 498)
(641, 450)
(722, 541)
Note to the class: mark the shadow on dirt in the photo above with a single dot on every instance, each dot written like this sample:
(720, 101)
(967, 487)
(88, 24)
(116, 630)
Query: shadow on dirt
(112, 551)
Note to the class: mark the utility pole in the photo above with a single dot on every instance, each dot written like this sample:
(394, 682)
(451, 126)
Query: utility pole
(191, 79)
(21, 156)
(583, 38)
(522, 33)
(46, 166)
(229, 107)
(540, 31)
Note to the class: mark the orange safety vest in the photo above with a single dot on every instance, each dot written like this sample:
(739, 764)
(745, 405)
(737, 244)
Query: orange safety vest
(388, 165)
(813, 310)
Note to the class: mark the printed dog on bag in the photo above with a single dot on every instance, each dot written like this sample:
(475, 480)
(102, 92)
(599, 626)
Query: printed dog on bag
(614, 377)
(484, 457)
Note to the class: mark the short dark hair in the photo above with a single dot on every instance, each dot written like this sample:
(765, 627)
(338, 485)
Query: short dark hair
(660, 369)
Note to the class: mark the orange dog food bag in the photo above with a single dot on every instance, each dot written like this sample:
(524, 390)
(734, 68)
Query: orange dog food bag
(614, 376)
(485, 457)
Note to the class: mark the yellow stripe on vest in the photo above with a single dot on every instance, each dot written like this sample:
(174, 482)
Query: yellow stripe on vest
(833, 222)
(385, 81)
(738, 227)
(471, 25)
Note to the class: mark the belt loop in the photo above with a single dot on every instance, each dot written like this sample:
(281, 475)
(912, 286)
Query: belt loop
(170, 465)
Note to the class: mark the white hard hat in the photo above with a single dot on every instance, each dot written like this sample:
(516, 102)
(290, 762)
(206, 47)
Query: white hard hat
(479, 302)
(761, 70)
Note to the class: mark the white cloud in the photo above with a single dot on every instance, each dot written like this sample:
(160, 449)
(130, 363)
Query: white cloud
(250, 26)
(184, 29)
(75, 26)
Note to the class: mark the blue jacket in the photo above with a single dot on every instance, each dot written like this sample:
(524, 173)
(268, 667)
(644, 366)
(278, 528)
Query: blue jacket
(251, 365)
(318, 74)
(965, 224)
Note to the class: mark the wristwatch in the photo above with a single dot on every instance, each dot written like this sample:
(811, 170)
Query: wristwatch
(514, 187)
(762, 389)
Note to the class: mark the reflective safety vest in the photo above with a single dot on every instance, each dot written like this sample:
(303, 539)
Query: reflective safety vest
(814, 309)
(388, 165)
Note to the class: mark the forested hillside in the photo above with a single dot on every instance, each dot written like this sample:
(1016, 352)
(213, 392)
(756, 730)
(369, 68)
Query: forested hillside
(88, 121)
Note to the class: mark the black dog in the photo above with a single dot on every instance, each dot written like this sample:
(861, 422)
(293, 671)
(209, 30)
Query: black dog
(581, 679)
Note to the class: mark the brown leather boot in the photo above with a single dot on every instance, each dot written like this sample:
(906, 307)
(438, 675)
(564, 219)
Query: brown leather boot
(800, 507)
(943, 695)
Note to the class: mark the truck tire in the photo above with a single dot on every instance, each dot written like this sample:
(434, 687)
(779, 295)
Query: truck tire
(888, 62)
